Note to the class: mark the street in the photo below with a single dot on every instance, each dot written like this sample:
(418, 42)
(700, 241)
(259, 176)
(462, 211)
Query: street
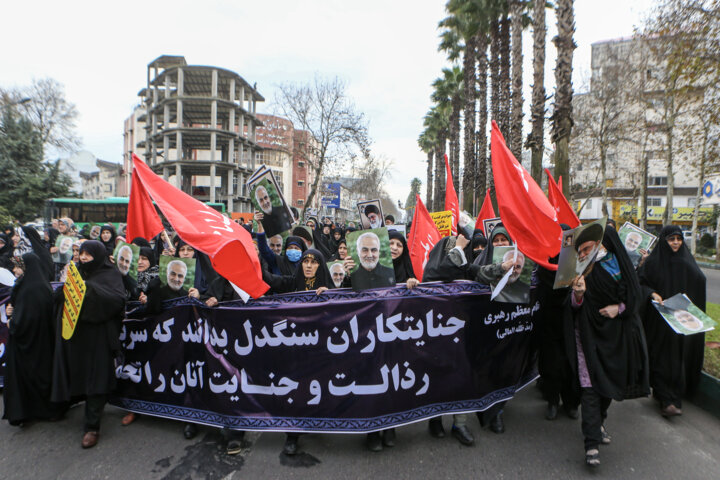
(644, 445)
(713, 284)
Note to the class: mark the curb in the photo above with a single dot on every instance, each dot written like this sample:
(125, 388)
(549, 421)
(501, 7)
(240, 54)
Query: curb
(713, 266)
(708, 394)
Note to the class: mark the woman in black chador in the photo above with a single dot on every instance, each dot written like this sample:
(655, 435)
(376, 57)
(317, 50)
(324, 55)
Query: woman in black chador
(84, 364)
(29, 351)
(675, 360)
(604, 339)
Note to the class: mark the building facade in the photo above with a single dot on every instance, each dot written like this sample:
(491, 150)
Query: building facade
(103, 183)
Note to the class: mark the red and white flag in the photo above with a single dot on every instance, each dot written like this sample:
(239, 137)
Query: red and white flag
(423, 237)
(565, 213)
(527, 214)
(486, 212)
(229, 246)
(451, 199)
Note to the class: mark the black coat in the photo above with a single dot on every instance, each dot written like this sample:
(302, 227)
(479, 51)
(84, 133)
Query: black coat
(84, 364)
(380, 276)
(29, 350)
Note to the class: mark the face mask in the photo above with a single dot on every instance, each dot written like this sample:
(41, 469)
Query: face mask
(293, 255)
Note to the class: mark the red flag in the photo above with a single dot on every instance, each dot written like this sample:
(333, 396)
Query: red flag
(527, 214)
(229, 246)
(423, 237)
(487, 211)
(451, 199)
(142, 220)
(565, 213)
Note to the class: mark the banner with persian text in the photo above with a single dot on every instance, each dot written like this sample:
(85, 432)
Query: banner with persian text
(339, 362)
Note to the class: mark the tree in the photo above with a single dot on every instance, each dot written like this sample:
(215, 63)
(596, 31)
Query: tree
(517, 18)
(562, 120)
(449, 92)
(45, 105)
(26, 181)
(323, 109)
(535, 139)
(415, 185)
(426, 142)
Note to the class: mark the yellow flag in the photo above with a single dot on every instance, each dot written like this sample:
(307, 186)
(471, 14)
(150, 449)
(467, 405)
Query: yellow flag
(74, 290)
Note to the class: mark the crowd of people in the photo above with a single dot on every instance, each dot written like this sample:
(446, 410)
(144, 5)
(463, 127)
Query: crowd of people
(598, 340)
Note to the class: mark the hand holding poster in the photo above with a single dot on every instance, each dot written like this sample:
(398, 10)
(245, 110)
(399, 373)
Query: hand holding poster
(126, 259)
(74, 290)
(177, 273)
(443, 221)
(371, 215)
(579, 249)
(370, 251)
(268, 198)
(637, 241)
(683, 316)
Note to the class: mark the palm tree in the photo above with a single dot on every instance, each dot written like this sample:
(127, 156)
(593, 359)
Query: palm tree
(437, 121)
(449, 91)
(517, 17)
(505, 84)
(426, 142)
(562, 120)
(535, 138)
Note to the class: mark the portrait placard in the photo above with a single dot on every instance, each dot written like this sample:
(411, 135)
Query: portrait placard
(64, 252)
(370, 250)
(371, 214)
(267, 198)
(489, 224)
(578, 250)
(337, 272)
(126, 258)
(684, 317)
(637, 241)
(177, 273)
(517, 288)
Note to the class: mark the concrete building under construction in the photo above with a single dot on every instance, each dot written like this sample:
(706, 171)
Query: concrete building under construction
(200, 125)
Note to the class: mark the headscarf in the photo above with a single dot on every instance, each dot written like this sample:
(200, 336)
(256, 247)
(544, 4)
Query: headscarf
(205, 274)
(6, 252)
(486, 256)
(322, 274)
(23, 245)
(144, 278)
(141, 242)
(33, 282)
(295, 240)
(53, 234)
(669, 272)
(110, 244)
(29, 237)
(402, 265)
(336, 255)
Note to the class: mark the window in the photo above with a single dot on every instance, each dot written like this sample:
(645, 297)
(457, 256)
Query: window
(301, 183)
(301, 164)
(657, 181)
(300, 203)
(691, 202)
(654, 202)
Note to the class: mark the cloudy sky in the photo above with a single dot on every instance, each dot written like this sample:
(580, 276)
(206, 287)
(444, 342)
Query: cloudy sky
(384, 49)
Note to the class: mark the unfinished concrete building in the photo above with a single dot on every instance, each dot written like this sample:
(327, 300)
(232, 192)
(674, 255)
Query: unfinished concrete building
(200, 129)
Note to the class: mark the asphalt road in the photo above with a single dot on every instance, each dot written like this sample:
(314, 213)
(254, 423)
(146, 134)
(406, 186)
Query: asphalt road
(713, 284)
(644, 445)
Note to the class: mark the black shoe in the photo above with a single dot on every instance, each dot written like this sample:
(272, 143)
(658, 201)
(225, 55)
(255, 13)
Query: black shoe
(606, 438)
(436, 427)
(463, 435)
(291, 444)
(234, 439)
(190, 431)
(374, 442)
(571, 412)
(592, 457)
(388, 437)
(496, 424)
(551, 412)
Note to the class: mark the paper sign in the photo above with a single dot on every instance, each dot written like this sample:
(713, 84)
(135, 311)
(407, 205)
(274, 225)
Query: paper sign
(74, 290)
(443, 222)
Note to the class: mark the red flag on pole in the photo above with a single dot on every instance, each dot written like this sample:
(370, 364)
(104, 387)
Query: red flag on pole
(229, 246)
(487, 211)
(451, 199)
(142, 220)
(565, 213)
(423, 237)
(527, 214)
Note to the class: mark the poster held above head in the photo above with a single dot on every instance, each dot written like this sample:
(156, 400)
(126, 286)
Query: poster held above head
(579, 249)
(126, 259)
(443, 221)
(267, 198)
(371, 214)
(64, 245)
(370, 250)
(637, 241)
(684, 317)
(489, 224)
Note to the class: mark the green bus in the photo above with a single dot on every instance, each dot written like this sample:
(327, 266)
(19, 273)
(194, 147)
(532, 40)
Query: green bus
(83, 211)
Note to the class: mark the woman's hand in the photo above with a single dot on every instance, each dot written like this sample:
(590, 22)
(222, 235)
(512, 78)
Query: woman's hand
(412, 283)
(578, 288)
(142, 298)
(320, 290)
(211, 302)
(348, 264)
(461, 241)
(194, 293)
(610, 311)
(507, 264)
(9, 310)
(657, 298)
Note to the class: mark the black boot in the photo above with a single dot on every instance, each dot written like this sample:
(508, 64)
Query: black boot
(551, 412)
(291, 444)
(496, 424)
(190, 431)
(374, 442)
(463, 435)
(388, 437)
(435, 427)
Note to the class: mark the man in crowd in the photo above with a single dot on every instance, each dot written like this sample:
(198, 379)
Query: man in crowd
(389, 220)
(276, 243)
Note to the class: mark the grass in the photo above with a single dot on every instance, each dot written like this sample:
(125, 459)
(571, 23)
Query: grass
(712, 355)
